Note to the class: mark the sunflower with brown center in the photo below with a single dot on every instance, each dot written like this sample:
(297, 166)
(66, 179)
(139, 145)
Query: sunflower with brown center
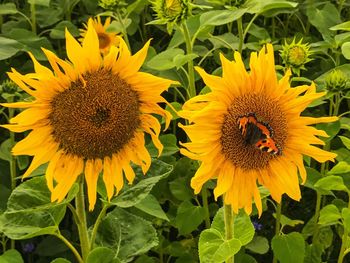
(105, 39)
(248, 129)
(89, 116)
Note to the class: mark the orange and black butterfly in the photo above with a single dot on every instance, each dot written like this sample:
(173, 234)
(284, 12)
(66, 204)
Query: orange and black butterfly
(257, 133)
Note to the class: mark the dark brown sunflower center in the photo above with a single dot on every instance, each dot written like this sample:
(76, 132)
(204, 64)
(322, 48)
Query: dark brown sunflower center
(236, 147)
(95, 117)
(103, 40)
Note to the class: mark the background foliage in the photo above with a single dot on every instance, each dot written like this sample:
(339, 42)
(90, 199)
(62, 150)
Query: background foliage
(159, 219)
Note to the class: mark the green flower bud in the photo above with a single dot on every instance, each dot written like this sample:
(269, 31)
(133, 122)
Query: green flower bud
(336, 81)
(295, 55)
(8, 87)
(111, 4)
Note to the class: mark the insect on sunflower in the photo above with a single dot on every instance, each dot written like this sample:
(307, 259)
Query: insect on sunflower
(89, 115)
(253, 132)
(105, 39)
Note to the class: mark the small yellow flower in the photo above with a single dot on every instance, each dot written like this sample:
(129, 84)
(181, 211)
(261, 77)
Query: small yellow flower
(248, 130)
(89, 115)
(105, 39)
(295, 55)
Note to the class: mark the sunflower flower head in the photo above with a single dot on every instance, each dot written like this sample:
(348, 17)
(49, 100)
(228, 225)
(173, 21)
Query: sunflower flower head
(89, 115)
(295, 55)
(248, 131)
(171, 12)
(336, 81)
(105, 39)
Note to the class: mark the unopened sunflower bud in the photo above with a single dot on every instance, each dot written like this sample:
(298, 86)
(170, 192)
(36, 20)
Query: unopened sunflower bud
(336, 81)
(171, 12)
(9, 87)
(295, 55)
(111, 4)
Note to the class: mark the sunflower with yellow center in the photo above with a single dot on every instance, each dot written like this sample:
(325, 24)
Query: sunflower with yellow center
(248, 129)
(105, 39)
(89, 115)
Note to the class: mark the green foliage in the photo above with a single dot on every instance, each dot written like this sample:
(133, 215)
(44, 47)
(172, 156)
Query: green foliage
(289, 247)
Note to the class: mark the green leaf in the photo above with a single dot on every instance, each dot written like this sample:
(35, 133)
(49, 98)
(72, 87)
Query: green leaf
(343, 26)
(8, 47)
(313, 253)
(345, 213)
(58, 32)
(8, 9)
(150, 205)
(139, 191)
(285, 221)
(101, 255)
(346, 141)
(289, 248)
(187, 211)
(340, 168)
(331, 182)
(312, 177)
(11, 256)
(5, 150)
(180, 188)
(331, 129)
(60, 260)
(180, 59)
(169, 142)
(258, 7)
(259, 245)
(40, 2)
(329, 215)
(126, 233)
(345, 50)
(30, 212)
(220, 17)
(165, 59)
(213, 247)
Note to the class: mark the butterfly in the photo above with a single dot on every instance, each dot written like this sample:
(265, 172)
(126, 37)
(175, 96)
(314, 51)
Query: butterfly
(257, 133)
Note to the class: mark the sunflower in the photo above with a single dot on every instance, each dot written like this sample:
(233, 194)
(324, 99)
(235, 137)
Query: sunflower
(89, 115)
(248, 130)
(105, 39)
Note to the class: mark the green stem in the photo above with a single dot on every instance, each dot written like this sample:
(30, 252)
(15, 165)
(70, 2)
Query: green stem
(278, 224)
(248, 26)
(206, 207)
(70, 246)
(191, 84)
(344, 239)
(33, 16)
(97, 224)
(125, 34)
(82, 225)
(229, 227)
(240, 34)
(317, 214)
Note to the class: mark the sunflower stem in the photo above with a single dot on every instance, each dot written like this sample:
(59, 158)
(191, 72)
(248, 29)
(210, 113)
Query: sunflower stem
(33, 16)
(97, 224)
(125, 34)
(278, 224)
(344, 239)
(206, 207)
(191, 83)
(240, 34)
(70, 246)
(229, 227)
(82, 225)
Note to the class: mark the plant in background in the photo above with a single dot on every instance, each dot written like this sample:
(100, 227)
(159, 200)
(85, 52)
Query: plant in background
(336, 81)
(171, 12)
(106, 39)
(111, 4)
(295, 55)
(248, 129)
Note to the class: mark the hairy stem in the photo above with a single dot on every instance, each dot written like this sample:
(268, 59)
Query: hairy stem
(70, 246)
(278, 224)
(97, 224)
(229, 227)
(191, 83)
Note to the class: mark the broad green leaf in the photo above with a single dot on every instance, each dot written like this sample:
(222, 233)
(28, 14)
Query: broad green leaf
(180, 59)
(213, 247)
(150, 205)
(346, 141)
(22, 161)
(227, 40)
(5, 150)
(4, 196)
(259, 245)
(169, 142)
(343, 26)
(220, 17)
(165, 59)
(180, 188)
(313, 253)
(30, 212)
(285, 221)
(331, 129)
(218, 222)
(58, 32)
(325, 237)
(101, 255)
(340, 168)
(289, 248)
(40, 2)
(244, 258)
(139, 191)
(345, 50)
(60, 260)
(50, 246)
(8, 9)
(258, 7)
(312, 177)
(11, 256)
(126, 234)
(345, 213)
(329, 215)
(187, 211)
(331, 182)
